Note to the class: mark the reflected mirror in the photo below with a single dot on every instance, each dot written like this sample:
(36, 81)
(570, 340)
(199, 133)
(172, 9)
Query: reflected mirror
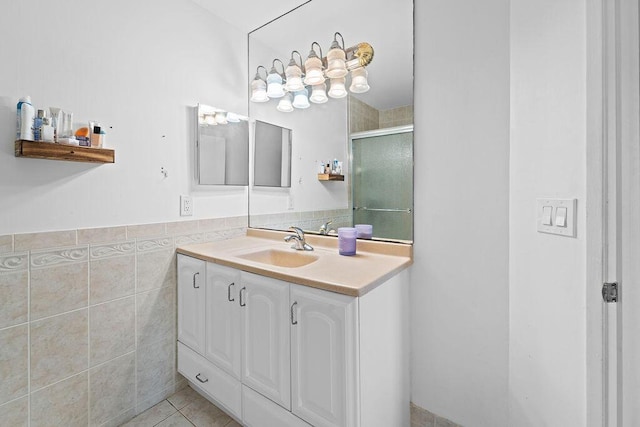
(222, 147)
(325, 125)
(271, 155)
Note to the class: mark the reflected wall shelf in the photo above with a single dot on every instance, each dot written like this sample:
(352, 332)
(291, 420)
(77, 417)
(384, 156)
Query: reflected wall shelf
(330, 177)
(73, 153)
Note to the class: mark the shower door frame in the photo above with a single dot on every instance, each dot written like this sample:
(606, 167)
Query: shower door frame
(373, 133)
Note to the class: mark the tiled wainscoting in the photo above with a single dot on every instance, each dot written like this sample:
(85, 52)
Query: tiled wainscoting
(88, 321)
(422, 418)
(309, 220)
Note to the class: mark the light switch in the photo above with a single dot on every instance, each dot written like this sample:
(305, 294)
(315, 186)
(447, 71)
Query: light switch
(556, 216)
(561, 217)
(546, 215)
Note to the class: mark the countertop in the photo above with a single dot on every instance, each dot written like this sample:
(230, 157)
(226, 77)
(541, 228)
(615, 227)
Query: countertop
(373, 264)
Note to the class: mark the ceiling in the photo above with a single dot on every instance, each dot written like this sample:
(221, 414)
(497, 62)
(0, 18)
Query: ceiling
(386, 25)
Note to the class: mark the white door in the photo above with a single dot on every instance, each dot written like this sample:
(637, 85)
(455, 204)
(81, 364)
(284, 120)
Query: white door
(621, 214)
(324, 373)
(191, 303)
(265, 337)
(223, 342)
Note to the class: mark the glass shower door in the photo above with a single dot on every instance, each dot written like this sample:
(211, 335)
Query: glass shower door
(382, 176)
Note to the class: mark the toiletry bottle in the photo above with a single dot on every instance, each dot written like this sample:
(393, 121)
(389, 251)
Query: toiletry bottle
(37, 126)
(26, 116)
(47, 131)
(334, 166)
(327, 169)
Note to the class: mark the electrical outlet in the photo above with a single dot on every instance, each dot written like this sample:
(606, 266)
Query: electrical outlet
(186, 206)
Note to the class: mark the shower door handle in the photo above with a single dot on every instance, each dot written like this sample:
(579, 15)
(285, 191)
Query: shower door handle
(364, 208)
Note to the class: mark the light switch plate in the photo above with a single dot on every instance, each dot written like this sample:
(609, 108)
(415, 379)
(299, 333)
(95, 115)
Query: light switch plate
(569, 229)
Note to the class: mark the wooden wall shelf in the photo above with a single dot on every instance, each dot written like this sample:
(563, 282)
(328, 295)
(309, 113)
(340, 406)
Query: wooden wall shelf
(330, 177)
(73, 153)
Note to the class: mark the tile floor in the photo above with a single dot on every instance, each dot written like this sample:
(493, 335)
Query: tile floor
(185, 408)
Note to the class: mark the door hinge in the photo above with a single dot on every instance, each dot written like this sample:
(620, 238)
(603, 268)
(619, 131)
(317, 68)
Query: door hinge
(610, 292)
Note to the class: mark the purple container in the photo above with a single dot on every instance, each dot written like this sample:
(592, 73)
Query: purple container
(347, 240)
(365, 231)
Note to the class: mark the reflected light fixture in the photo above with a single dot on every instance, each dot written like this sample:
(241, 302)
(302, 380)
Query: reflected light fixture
(359, 82)
(284, 105)
(301, 99)
(259, 87)
(319, 94)
(337, 89)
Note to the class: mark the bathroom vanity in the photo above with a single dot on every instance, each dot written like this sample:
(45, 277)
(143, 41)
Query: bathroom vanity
(278, 337)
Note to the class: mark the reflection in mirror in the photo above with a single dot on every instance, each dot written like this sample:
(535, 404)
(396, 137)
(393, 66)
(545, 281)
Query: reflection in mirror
(323, 130)
(222, 147)
(271, 155)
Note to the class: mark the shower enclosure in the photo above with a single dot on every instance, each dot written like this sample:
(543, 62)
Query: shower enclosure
(382, 177)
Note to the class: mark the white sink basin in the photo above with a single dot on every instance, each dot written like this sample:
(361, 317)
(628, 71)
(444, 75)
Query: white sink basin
(278, 258)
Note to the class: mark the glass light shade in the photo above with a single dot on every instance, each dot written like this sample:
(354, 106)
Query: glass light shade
(337, 89)
(359, 82)
(221, 118)
(233, 118)
(259, 90)
(319, 94)
(284, 105)
(336, 62)
(300, 99)
(210, 119)
(313, 67)
(293, 74)
(274, 86)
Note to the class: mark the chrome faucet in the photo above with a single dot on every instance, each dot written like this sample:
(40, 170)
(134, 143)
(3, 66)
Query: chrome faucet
(298, 238)
(324, 228)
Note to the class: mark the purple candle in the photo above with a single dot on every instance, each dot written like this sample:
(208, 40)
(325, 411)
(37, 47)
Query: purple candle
(347, 240)
(365, 231)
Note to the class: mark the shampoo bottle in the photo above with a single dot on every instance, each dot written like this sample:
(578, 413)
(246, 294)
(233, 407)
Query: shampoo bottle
(26, 116)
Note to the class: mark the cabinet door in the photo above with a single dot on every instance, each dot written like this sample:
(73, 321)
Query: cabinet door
(223, 318)
(324, 355)
(191, 303)
(266, 341)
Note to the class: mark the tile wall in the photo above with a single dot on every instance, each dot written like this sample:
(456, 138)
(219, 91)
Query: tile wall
(422, 418)
(310, 220)
(363, 117)
(88, 321)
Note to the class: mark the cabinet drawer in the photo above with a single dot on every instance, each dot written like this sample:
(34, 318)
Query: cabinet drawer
(258, 411)
(219, 385)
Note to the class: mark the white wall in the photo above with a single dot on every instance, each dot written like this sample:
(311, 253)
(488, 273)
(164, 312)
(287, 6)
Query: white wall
(547, 342)
(137, 67)
(459, 288)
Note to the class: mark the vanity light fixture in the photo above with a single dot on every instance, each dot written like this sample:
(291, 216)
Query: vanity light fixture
(221, 117)
(275, 88)
(259, 87)
(294, 83)
(336, 59)
(293, 74)
(211, 116)
(233, 118)
(313, 67)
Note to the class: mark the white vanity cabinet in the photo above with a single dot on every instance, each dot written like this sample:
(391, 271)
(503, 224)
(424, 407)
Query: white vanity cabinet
(273, 353)
(324, 357)
(191, 303)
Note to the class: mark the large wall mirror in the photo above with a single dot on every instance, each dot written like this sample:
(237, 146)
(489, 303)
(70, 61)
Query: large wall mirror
(371, 133)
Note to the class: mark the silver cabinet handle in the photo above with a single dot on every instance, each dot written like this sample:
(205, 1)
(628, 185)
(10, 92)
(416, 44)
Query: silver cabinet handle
(229, 292)
(194, 280)
(242, 304)
(294, 321)
(201, 380)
